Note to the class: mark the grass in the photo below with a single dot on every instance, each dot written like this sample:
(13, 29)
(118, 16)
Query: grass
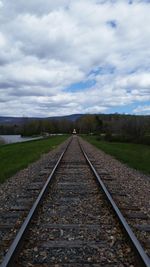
(135, 155)
(14, 157)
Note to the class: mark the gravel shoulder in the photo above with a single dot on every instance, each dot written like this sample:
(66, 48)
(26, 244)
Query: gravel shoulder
(16, 184)
(135, 183)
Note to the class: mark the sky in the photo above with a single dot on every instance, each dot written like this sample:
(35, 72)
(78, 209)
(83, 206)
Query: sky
(74, 56)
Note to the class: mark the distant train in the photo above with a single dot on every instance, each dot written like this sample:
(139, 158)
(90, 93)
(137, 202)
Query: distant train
(74, 131)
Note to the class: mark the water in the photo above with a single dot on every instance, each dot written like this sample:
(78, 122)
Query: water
(16, 138)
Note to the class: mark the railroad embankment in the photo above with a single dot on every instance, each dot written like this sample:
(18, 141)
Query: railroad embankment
(74, 223)
(134, 155)
(14, 157)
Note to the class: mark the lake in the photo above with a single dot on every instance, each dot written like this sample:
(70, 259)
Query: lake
(16, 138)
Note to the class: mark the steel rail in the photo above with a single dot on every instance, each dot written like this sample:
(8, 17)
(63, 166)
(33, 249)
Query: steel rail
(143, 259)
(15, 247)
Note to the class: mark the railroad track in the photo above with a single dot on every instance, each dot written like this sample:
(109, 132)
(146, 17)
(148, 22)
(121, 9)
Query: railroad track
(75, 222)
(120, 187)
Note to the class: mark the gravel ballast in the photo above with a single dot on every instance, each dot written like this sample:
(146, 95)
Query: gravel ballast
(134, 182)
(130, 189)
(15, 184)
(75, 225)
(17, 196)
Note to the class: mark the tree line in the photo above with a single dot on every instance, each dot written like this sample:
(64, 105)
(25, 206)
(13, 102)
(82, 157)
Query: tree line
(110, 127)
(116, 127)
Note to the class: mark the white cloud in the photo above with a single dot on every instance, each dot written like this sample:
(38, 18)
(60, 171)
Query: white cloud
(142, 110)
(44, 48)
(1, 4)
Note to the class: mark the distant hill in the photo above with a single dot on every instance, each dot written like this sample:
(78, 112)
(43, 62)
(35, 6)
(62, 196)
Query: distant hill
(11, 120)
(72, 117)
(22, 120)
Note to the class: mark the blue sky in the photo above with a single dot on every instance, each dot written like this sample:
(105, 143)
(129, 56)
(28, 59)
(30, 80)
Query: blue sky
(66, 56)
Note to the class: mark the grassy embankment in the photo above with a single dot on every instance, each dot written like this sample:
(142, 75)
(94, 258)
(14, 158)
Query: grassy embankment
(14, 157)
(135, 155)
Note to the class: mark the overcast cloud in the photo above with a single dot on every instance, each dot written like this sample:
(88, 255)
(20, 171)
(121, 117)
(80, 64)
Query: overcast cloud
(66, 56)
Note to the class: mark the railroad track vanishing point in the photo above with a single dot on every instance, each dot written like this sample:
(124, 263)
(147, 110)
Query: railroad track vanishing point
(75, 222)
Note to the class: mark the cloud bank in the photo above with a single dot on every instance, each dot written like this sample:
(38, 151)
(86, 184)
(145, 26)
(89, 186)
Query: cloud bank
(83, 56)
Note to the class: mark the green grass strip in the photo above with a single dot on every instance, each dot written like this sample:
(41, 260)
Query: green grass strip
(14, 157)
(135, 155)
